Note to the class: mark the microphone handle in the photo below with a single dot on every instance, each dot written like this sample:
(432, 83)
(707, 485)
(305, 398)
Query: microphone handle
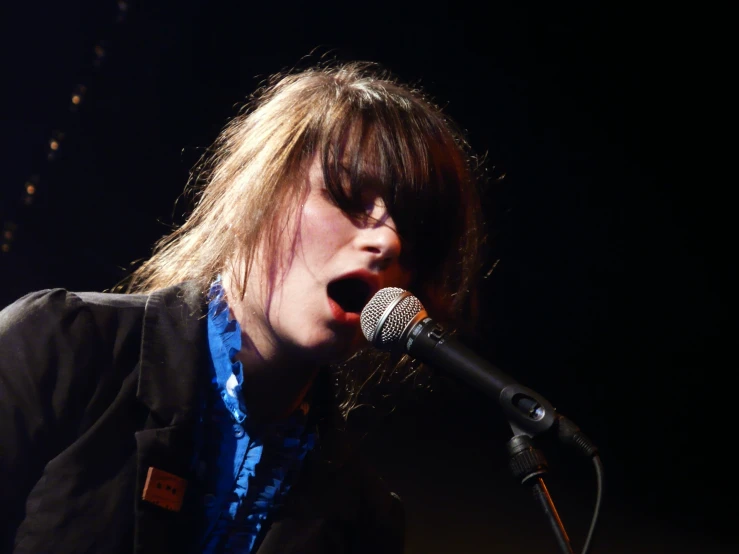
(526, 410)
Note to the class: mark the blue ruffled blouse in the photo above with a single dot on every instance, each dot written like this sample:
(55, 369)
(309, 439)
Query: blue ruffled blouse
(247, 467)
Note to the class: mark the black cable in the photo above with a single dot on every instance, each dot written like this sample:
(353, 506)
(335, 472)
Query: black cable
(599, 496)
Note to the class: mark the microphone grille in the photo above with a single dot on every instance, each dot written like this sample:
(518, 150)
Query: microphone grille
(384, 333)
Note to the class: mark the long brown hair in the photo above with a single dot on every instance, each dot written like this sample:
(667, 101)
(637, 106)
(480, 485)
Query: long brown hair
(369, 132)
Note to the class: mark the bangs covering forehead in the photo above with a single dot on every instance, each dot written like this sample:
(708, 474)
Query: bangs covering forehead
(393, 150)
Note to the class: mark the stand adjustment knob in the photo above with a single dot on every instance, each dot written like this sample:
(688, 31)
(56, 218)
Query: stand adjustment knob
(526, 461)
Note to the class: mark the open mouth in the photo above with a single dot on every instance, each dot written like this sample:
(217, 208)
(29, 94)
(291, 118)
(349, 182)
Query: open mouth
(350, 293)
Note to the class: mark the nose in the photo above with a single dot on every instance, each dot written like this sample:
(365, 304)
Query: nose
(379, 236)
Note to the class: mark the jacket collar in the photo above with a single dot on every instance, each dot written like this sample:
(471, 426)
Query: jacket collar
(173, 351)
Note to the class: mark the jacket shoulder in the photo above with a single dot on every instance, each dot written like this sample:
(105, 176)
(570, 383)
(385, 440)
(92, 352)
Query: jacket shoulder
(53, 306)
(55, 343)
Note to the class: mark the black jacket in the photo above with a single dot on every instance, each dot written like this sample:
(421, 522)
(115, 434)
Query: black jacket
(95, 389)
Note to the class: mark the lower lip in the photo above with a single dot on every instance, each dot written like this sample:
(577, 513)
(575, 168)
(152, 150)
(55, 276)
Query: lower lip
(346, 318)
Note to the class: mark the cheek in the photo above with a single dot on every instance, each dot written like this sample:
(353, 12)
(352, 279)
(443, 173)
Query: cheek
(323, 228)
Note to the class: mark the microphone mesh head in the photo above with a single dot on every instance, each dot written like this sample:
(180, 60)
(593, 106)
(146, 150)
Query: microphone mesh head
(394, 324)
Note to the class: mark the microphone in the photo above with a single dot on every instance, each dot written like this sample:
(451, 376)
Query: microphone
(395, 321)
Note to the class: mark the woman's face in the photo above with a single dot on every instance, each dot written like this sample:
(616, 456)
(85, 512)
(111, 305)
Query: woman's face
(328, 267)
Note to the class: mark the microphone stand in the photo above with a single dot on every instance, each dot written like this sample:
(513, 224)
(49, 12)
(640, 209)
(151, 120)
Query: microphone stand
(528, 414)
(527, 463)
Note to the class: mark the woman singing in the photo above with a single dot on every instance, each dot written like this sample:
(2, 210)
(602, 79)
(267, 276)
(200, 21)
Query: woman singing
(200, 412)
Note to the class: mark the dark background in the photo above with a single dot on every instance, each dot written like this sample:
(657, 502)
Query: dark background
(608, 224)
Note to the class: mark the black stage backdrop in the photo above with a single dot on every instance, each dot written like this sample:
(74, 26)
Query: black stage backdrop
(609, 232)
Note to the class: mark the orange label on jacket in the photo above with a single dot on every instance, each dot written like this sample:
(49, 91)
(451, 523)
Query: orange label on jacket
(164, 489)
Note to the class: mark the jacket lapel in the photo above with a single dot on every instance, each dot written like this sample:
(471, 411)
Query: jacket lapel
(314, 520)
(171, 384)
(160, 529)
(322, 505)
